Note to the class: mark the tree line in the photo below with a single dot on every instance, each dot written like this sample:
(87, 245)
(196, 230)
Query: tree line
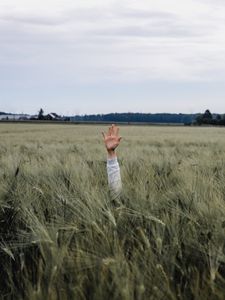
(137, 117)
(187, 119)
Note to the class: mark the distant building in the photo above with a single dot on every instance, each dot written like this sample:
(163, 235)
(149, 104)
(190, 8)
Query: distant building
(34, 117)
(52, 117)
(14, 117)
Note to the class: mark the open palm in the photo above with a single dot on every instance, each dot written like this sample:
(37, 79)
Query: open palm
(112, 138)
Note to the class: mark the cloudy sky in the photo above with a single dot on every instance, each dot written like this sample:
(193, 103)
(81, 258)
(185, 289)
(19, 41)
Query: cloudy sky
(99, 56)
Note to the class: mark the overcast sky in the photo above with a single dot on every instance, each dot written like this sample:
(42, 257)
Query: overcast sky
(99, 56)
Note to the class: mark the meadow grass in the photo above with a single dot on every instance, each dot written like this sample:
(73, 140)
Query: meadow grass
(62, 236)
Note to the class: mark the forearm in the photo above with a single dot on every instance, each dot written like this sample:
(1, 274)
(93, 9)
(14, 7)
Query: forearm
(114, 178)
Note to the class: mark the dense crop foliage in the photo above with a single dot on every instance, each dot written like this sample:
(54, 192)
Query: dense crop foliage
(62, 237)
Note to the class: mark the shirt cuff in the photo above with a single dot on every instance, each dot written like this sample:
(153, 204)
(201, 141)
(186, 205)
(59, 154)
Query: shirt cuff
(112, 161)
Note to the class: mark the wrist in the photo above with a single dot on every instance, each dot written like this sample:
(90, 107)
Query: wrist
(111, 154)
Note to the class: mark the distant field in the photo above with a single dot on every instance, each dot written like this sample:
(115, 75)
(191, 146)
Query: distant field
(61, 236)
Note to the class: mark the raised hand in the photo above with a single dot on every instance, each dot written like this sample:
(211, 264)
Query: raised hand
(112, 139)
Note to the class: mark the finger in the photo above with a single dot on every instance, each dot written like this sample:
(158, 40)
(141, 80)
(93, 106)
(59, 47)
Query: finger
(110, 130)
(114, 129)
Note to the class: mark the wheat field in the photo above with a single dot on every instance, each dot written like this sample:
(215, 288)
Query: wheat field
(62, 236)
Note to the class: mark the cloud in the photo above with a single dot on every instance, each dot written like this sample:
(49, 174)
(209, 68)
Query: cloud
(33, 20)
(112, 41)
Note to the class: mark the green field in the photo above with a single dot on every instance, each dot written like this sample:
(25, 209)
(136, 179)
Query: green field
(62, 237)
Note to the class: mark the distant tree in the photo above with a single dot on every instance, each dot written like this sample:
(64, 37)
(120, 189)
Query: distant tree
(207, 117)
(207, 114)
(41, 114)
